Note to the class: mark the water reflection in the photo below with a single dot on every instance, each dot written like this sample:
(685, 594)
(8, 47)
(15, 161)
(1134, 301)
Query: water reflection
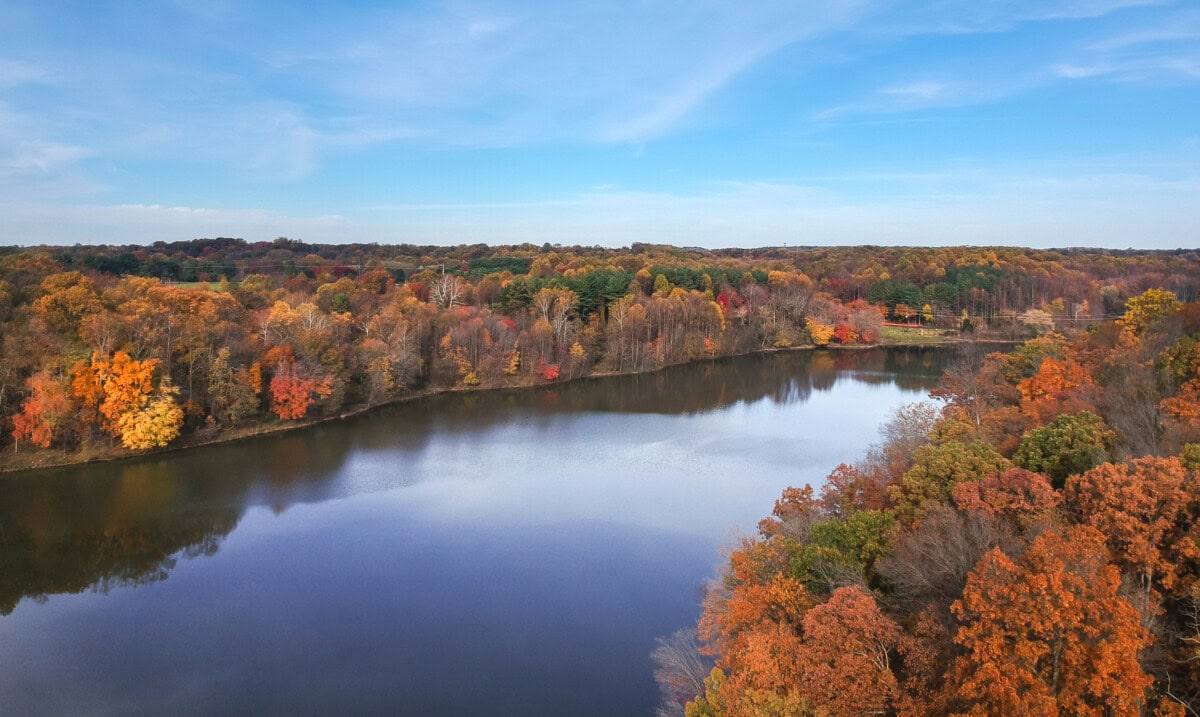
(99, 527)
(528, 544)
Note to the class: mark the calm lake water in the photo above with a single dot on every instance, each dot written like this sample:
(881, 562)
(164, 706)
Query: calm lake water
(501, 553)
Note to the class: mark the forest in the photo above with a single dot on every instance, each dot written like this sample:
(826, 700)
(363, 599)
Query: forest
(110, 350)
(1027, 545)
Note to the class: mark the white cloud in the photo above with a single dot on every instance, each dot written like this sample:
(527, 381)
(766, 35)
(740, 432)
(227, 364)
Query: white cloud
(990, 87)
(1077, 9)
(974, 16)
(32, 166)
(1132, 68)
(927, 90)
(1187, 28)
(1126, 56)
(38, 156)
(981, 87)
(19, 72)
(576, 71)
(670, 109)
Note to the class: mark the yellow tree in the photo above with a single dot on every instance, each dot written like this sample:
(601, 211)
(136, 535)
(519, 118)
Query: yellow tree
(1144, 310)
(126, 384)
(935, 472)
(69, 298)
(153, 424)
(821, 333)
(108, 388)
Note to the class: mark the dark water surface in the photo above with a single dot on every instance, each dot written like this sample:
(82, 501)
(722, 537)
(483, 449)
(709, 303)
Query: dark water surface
(501, 553)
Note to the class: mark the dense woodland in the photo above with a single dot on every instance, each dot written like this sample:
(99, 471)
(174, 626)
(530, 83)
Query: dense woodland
(1029, 546)
(111, 350)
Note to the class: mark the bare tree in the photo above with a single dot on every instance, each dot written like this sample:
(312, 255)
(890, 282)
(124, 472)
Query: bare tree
(1038, 321)
(932, 562)
(544, 301)
(560, 315)
(1131, 406)
(311, 318)
(906, 429)
(962, 386)
(680, 670)
(1191, 638)
(447, 291)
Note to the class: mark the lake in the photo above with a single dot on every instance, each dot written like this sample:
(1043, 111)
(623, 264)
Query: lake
(490, 553)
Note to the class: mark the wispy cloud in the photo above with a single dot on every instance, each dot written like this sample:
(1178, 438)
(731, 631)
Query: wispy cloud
(1076, 9)
(667, 111)
(925, 91)
(1132, 69)
(19, 72)
(1161, 50)
(41, 157)
(925, 94)
(1180, 29)
(953, 17)
(33, 165)
(574, 71)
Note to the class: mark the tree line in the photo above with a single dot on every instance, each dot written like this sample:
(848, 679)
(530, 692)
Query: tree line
(1031, 545)
(107, 350)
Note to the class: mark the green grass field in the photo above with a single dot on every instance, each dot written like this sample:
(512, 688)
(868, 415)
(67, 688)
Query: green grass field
(913, 335)
(211, 285)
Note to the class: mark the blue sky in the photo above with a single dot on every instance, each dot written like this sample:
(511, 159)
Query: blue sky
(1036, 123)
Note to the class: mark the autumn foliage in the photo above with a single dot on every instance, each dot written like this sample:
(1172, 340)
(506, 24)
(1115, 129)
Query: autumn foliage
(47, 408)
(1017, 555)
(1048, 633)
(153, 423)
(1014, 493)
(365, 324)
(1148, 509)
(848, 642)
(292, 393)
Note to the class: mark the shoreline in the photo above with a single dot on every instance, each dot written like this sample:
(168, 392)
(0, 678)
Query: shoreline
(18, 472)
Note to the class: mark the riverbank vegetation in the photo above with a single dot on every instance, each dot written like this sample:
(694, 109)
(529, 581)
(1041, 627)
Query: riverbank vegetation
(1029, 546)
(109, 351)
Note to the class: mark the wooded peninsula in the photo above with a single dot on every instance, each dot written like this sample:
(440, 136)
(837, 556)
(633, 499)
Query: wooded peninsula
(113, 350)
(1029, 546)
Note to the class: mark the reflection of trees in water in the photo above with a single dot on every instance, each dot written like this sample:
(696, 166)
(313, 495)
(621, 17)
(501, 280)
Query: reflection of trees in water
(127, 524)
(783, 378)
(911, 369)
(68, 534)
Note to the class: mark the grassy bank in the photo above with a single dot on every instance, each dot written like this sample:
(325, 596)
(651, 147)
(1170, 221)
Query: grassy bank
(916, 336)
